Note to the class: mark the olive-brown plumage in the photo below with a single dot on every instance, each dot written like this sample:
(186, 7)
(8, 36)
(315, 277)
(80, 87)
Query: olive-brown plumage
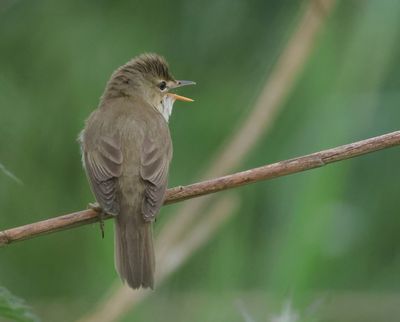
(126, 151)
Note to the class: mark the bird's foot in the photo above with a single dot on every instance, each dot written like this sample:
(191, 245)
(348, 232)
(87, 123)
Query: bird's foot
(96, 207)
(101, 221)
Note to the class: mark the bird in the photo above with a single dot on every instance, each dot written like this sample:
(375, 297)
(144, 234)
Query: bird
(126, 151)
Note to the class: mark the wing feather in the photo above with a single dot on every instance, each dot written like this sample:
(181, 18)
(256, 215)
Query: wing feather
(154, 171)
(103, 166)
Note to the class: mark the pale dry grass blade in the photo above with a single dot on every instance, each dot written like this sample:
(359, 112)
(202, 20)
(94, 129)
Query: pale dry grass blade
(261, 118)
(9, 174)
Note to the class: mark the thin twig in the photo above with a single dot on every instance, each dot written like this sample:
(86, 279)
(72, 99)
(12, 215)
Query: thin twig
(181, 193)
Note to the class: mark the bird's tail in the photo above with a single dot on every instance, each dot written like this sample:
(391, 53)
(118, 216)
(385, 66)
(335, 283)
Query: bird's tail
(134, 251)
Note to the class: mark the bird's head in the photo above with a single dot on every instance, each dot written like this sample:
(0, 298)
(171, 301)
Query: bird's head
(148, 76)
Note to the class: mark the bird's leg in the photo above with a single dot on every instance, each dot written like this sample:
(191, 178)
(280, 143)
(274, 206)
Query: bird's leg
(96, 207)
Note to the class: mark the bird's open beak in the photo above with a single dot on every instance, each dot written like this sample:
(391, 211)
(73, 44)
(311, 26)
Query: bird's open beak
(180, 98)
(181, 83)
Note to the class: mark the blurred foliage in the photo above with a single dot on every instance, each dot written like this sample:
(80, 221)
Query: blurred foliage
(317, 234)
(14, 308)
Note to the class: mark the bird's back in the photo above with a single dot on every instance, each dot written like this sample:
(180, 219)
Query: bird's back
(126, 151)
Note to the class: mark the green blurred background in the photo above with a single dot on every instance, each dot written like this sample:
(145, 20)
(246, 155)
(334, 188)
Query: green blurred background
(326, 240)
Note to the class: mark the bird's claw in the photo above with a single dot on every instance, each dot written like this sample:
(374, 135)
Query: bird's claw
(101, 221)
(96, 207)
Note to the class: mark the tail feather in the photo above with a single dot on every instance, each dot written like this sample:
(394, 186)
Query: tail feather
(134, 251)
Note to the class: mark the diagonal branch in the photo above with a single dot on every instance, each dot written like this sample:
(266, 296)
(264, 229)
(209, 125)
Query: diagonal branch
(274, 170)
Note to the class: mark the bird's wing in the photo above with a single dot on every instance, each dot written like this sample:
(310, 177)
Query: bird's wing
(104, 166)
(155, 161)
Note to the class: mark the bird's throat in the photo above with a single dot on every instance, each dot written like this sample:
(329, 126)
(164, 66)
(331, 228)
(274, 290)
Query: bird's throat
(165, 106)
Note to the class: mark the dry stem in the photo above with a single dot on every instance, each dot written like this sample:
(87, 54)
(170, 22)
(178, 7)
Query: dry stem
(181, 193)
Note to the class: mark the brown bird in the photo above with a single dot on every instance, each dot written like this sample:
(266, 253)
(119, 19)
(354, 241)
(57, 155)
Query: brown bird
(126, 151)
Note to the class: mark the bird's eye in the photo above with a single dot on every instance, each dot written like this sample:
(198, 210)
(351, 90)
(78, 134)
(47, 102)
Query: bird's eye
(162, 85)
